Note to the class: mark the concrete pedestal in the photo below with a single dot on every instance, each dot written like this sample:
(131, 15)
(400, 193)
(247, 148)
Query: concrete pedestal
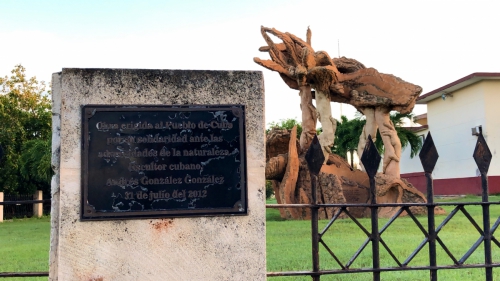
(194, 248)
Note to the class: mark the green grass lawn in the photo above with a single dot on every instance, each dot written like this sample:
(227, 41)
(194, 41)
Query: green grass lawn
(24, 246)
(289, 245)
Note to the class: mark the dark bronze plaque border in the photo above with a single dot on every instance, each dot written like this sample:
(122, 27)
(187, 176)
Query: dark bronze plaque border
(88, 213)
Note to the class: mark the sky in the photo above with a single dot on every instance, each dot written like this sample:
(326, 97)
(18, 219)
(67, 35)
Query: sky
(428, 43)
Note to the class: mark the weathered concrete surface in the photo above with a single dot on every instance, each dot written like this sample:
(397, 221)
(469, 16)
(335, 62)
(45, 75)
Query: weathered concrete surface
(198, 248)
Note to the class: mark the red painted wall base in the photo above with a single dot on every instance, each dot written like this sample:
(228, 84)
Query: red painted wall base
(417, 179)
(454, 186)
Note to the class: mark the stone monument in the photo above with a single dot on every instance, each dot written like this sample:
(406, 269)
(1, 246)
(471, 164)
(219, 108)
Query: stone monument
(159, 175)
(341, 80)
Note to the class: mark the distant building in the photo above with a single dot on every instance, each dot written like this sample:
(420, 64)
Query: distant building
(453, 110)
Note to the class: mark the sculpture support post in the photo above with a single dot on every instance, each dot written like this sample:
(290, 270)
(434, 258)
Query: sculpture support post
(370, 129)
(392, 144)
(308, 118)
(329, 125)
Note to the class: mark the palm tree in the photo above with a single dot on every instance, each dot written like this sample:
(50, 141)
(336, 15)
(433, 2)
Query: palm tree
(348, 132)
(347, 137)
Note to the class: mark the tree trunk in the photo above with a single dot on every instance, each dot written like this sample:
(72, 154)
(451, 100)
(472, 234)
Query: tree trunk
(308, 118)
(289, 184)
(329, 125)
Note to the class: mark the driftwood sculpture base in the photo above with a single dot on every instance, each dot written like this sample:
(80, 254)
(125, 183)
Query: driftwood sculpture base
(338, 183)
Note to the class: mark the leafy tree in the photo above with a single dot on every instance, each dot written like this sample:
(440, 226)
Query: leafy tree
(25, 133)
(35, 161)
(347, 137)
(286, 124)
(348, 132)
(269, 189)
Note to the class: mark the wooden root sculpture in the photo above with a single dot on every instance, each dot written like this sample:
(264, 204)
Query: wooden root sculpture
(293, 59)
(340, 80)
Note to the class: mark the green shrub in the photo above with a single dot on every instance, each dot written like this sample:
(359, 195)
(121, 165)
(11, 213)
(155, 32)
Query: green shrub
(269, 189)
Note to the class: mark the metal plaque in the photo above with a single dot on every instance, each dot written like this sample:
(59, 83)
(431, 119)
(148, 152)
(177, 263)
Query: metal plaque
(163, 161)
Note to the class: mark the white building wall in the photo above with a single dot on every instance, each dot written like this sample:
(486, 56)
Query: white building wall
(491, 129)
(408, 164)
(450, 123)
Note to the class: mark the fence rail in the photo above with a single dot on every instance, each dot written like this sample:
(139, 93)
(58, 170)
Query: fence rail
(21, 202)
(23, 274)
(22, 205)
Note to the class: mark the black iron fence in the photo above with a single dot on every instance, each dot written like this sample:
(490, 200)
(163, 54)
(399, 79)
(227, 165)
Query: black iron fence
(17, 210)
(21, 205)
(371, 159)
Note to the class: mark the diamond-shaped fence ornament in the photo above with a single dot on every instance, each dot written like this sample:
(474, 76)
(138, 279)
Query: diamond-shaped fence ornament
(482, 155)
(370, 158)
(428, 154)
(314, 156)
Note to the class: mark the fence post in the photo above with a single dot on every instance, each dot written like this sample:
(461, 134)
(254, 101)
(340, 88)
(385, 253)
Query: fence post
(314, 158)
(428, 157)
(1, 207)
(371, 161)
(38, 207)
(482, 155)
